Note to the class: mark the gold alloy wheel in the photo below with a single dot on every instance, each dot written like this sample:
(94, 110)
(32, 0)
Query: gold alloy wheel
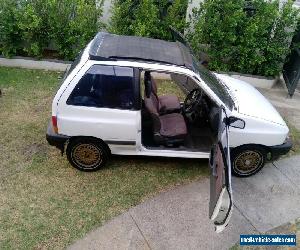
(248, 161)
(87, 155)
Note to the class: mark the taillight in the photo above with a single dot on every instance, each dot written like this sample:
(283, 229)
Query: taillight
(54, 124)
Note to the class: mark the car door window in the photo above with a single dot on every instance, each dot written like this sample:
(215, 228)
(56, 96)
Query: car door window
(105, 86)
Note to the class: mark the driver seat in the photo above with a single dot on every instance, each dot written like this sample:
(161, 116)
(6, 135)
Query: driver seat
(166, 103)
(168, 129)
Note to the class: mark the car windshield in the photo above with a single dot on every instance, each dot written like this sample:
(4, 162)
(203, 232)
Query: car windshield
(220, 89)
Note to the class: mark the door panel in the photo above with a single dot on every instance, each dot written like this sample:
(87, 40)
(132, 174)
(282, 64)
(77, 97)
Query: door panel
(103, 123)
(220, 205)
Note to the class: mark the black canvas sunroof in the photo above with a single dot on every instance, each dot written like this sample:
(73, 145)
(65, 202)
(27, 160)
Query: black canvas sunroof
(110, 46)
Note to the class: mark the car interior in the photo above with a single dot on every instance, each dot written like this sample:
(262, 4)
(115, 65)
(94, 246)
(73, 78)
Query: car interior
(167, 123)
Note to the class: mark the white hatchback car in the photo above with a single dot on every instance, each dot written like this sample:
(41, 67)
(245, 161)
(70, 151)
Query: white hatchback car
(109, 103)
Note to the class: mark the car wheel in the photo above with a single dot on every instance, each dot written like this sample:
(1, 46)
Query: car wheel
(87, 154)
(247, 160)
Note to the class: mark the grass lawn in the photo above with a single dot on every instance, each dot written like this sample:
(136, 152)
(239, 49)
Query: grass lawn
(295, 136)
(44, 202)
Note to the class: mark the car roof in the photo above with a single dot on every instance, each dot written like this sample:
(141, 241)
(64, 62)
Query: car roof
(107, 46)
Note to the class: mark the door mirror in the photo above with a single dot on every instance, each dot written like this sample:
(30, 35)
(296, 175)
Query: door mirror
(235, 122)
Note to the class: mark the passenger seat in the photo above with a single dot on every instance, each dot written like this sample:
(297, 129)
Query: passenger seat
(167, 103)
(168, 129)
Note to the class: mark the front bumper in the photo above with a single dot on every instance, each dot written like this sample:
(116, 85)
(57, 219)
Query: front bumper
(278, 150)
(54, 139)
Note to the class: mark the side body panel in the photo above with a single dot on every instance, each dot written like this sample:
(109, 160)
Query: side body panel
(118, 128)
(257, 131)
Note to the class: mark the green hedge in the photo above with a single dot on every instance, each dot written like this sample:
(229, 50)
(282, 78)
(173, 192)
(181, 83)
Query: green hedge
(28, 26)
(244, 36)
(148, 18)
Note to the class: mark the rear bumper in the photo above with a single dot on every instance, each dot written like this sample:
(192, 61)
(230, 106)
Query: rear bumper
(54, 139)
(282, 149)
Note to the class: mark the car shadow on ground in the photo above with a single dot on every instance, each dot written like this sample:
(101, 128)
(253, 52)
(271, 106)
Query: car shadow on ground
(117, 161)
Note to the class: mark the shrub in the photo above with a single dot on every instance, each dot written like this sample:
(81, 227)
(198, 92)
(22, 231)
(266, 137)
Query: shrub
(176, 16)
(72, 24)
(148, 17)
(146, 20)
(33, 26)
(29, 26)
(10, 39)
(251, 40)
(122, 20)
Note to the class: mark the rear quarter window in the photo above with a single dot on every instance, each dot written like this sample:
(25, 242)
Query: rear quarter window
(73, 65)
(105, 86)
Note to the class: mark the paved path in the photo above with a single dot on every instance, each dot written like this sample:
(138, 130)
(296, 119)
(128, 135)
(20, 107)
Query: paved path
(178, 219)
(29, 63)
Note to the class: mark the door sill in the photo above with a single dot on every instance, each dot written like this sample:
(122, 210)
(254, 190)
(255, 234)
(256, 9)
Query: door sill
(173, 152)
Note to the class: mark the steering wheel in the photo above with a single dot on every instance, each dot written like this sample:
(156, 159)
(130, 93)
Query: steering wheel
(192, 100)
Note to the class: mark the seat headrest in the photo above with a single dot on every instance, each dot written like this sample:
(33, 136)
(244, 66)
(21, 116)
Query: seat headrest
(148, 84)
(147, 75)
(151, 105)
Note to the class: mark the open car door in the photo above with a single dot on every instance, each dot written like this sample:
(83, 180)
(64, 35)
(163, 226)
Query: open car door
(220, 205)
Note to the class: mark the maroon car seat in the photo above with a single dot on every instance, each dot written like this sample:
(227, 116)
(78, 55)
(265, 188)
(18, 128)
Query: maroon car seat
(168, 129)
(166, 103)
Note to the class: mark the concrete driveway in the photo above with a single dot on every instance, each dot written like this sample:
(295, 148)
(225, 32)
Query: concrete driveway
(178, 219)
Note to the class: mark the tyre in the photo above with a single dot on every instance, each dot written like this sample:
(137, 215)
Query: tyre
(87, 154)
(247, 160)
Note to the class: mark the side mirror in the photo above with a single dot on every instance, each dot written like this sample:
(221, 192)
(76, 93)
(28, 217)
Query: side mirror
(235, 122)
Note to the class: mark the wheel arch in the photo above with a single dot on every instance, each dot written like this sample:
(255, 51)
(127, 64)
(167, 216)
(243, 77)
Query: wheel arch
(266, 148)
(73, 138)
(262, 157)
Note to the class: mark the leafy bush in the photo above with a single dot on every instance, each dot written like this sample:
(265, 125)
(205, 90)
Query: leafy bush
(29, 26)
(251, 38)
(10, 39)
(146, 21)
(72, 24)
(33, 26)
(148, 18)
(247, 36)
